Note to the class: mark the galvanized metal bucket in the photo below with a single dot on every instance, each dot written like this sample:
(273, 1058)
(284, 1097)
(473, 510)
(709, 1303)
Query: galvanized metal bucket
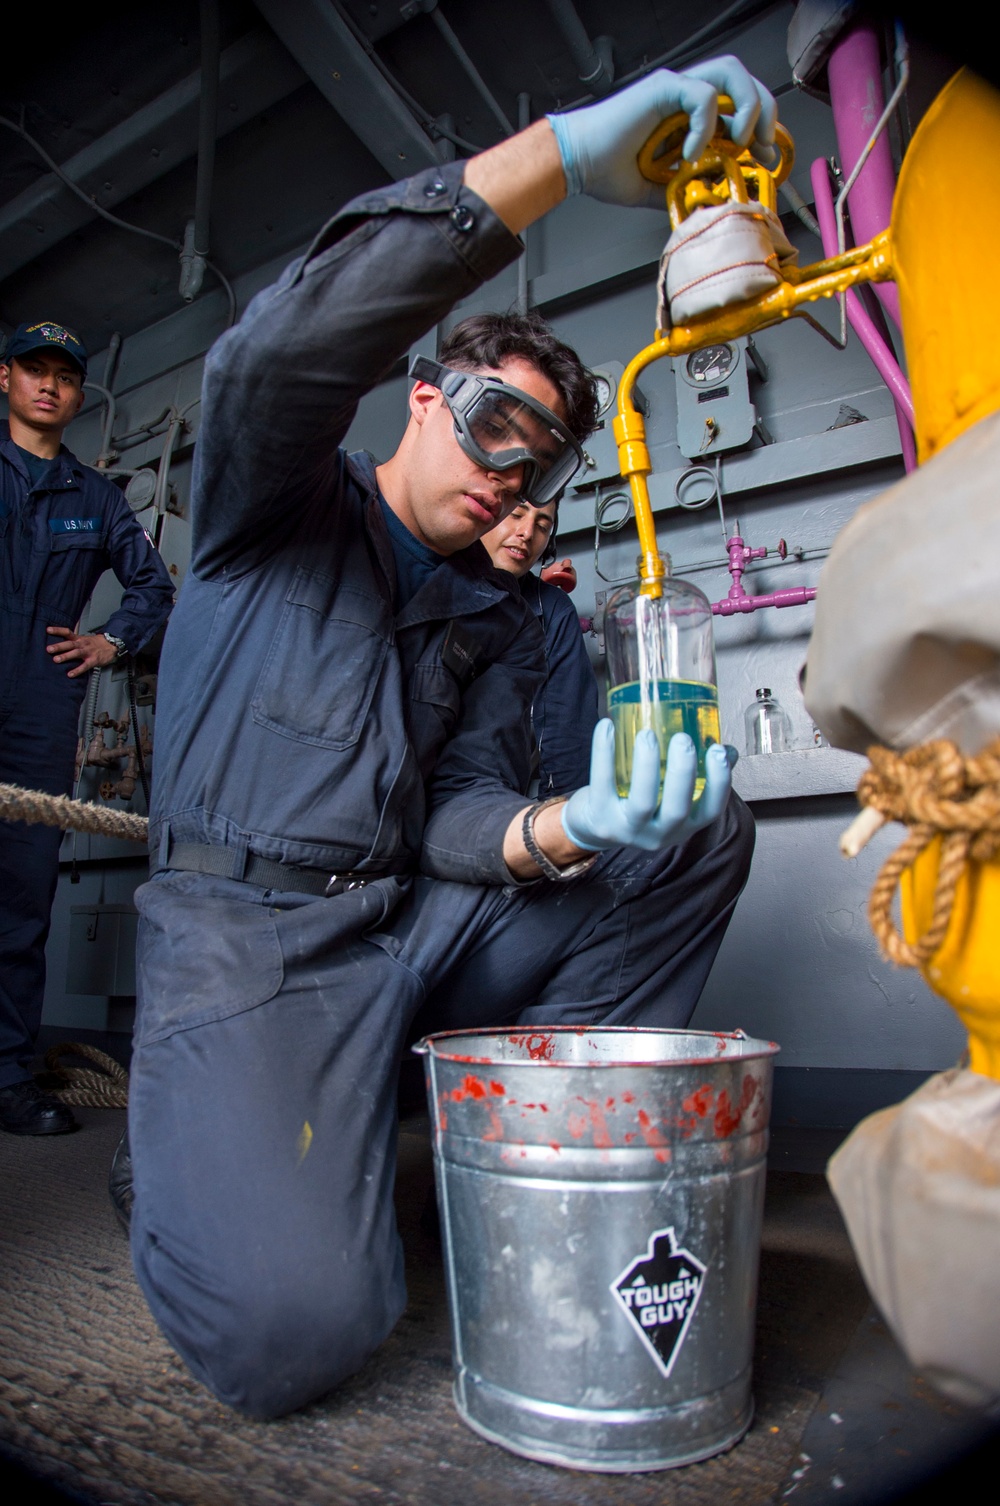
(601, 1194)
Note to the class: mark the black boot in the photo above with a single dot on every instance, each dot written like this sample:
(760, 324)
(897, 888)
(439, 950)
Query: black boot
(26, 1110)
(120, 1183)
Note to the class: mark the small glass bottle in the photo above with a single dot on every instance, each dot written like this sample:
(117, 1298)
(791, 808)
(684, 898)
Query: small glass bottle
(767, 724)
(661, 670)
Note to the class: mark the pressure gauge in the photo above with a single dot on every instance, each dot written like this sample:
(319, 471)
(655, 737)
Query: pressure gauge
(713, 364)
(714, 411)
(141, 490)
(607, 391)
(600, 451)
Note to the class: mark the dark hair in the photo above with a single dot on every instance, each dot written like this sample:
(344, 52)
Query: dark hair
(485, 341)
(548, 554)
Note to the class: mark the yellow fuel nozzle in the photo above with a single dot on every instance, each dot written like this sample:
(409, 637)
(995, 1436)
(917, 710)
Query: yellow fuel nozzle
(723, 171)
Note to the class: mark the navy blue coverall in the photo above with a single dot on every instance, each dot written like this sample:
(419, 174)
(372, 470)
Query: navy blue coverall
(304, 720)
(56, 539)
(564, 713)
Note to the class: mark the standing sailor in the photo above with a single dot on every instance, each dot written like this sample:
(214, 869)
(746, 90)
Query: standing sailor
(61, 526)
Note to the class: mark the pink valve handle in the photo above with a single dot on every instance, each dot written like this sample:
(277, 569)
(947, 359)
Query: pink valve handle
(738, 600)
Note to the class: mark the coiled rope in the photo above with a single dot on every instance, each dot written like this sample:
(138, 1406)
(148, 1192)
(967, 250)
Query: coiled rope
(935, 791)
(39, 809)
(103, 1085)
(84, 1087)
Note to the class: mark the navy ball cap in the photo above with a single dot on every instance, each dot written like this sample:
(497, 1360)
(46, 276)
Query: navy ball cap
(45, 335)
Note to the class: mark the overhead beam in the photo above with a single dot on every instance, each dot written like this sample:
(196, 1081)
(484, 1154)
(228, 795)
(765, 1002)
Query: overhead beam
(326, 48)
(255, 73)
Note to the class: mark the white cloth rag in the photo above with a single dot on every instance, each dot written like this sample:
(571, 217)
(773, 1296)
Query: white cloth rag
(720, 256)
(919, 1187)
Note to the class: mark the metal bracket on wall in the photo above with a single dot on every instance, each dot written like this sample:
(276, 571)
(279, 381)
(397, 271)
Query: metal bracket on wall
(798, 773)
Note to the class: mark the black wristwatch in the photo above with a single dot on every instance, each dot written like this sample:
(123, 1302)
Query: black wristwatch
(545, 863)
(118, 644)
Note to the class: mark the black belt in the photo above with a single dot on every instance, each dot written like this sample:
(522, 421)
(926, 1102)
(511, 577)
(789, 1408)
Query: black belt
(225, 862)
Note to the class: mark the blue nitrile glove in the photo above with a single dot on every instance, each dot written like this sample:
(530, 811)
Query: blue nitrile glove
(596, 817)
(600, 143)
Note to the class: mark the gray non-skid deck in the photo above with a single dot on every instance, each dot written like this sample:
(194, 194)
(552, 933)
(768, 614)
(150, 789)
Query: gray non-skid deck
(94, 1400)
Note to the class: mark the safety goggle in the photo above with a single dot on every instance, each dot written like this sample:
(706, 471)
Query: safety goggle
(499, 426)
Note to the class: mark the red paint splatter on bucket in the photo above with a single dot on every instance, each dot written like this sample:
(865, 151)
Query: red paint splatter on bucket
(653, 1137)
(576, 1123)
(497, 1088)
(628, 1098)
(598, 1123)
(699, 1102)
(472, 1087)
(727, 1117)
(538, 1046)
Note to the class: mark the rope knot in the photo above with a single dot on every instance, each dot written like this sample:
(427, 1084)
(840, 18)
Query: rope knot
(937, 792)
(103, 1085)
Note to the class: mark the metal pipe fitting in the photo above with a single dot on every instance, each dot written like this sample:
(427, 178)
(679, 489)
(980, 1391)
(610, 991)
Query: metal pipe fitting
(739, 600)
(110, 414)
(594, 60)
(194, 252)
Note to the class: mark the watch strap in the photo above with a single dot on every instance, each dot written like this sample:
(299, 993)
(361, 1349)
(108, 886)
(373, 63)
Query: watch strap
(549, 869)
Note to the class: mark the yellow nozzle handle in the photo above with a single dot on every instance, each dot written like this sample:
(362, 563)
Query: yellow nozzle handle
(661, 156)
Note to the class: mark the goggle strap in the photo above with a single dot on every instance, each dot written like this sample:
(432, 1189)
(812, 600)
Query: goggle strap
(423, 369)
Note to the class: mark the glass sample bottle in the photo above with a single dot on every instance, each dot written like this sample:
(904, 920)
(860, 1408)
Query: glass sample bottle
(767, 724)
(661, 670)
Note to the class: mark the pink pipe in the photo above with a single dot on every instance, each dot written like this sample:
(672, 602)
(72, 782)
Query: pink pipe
(861, 321)
(796, 597)
(854, 71)
(738, 600)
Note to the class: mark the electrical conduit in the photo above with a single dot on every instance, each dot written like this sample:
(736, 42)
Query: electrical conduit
(861, 321)
(854, 71)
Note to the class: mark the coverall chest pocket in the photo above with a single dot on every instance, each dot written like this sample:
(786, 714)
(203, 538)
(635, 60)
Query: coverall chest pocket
(435, 702)
(324, 663)
(71, 539)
